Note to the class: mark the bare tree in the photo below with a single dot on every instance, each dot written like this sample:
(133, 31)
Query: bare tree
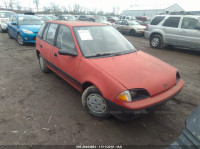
(5, 2)
(36, 2)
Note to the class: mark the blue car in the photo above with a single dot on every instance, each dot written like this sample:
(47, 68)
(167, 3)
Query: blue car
(24, 28)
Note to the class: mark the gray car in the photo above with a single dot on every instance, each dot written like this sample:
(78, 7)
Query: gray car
(175, 30)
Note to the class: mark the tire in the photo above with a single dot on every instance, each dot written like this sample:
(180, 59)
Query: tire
(1, 30)
(94, 103)
(20, 40)
(156, 41)
(132, 32)
(10, 37)
(43, 65)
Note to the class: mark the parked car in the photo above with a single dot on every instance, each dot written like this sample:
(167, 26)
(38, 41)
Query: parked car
(83, 17)
(114, 77)
(53, 17)
(142, 18)
(4, 19)
(24, 28)
(130, 27)
(176, 30)
(44, 17)
(127, 18)
(66, 17)
(99, 20)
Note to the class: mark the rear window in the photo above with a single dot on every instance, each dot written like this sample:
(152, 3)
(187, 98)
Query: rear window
(157, 20)
(172, 22)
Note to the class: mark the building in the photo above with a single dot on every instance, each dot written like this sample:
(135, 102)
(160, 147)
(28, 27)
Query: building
(151, 11)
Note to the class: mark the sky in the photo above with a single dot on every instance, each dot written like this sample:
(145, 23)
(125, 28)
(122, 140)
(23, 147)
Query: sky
(107, 5)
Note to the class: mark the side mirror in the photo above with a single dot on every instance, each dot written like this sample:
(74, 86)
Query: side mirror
(67, 52)
(13, 23)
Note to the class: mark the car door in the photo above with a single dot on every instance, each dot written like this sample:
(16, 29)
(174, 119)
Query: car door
(13, 28)
(189, 34)
(125, 26)
(171, 30)
(67, 65)
(48, 42)
(118, 25)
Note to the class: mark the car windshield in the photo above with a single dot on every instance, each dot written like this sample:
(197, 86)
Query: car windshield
(6, 14)
(97, 41)
(133, 23)
(29, 20)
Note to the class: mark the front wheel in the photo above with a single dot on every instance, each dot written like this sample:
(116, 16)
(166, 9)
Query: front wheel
(94, 103)
(20, 40)
(132, 32)
(156, 41)
(1, 30)
(10, 37)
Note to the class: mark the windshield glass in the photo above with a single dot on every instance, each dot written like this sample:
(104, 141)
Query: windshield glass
(101, 40)
(29, 20)
(133, 23)
(6, 14)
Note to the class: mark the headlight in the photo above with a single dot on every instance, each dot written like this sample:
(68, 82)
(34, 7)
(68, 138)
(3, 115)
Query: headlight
(133, 95)
(27, 31)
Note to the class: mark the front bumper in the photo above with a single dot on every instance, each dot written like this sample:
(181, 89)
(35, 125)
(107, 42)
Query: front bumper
(147, 34)
(28, 38)
(139, 31)
(133, 107)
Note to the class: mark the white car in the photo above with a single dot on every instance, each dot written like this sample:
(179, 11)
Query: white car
(131, 27)
(4, 19)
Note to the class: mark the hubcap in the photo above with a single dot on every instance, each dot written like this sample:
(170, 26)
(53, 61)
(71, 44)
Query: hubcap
(155, 42)
(41, 63)
(20, 40)
(96, 103)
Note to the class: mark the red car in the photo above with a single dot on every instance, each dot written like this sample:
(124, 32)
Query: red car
(113, 76)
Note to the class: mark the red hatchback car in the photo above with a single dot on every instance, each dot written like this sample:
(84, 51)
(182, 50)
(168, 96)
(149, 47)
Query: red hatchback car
(96, 59)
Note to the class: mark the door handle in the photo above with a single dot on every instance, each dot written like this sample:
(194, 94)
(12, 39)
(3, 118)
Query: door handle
(55, 54)
(41, 46)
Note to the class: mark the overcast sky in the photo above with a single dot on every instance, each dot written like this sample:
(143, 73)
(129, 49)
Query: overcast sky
(107, 5)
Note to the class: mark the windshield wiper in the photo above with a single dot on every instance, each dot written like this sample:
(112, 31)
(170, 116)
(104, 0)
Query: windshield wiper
(99, 55)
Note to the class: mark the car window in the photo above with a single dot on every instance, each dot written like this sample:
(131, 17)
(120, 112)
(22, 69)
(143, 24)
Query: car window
(13, 20)
(172, 22)
(190, 23)
(157, 20)
(124, 22)
(51, 33)
(45, 32)
(64, 39)
(119, 22)
(41, 30)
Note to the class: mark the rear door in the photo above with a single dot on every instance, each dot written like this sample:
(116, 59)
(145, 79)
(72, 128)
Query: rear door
(125, 26)
(48, 42)
(189, 35)
(171, 30)
(118, 25)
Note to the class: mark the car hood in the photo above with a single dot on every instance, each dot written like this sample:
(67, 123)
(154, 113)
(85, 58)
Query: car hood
(4, 20)
(139, 70)
(33, 28)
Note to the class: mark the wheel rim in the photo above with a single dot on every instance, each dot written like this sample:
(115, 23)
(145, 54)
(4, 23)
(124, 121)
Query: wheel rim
(20, 40)
(41, 63)
(155, 41)
(96, 103)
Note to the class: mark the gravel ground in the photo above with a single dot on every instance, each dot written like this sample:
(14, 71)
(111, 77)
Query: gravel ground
(40, 109)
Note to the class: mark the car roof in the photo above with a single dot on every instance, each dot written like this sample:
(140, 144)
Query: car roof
(77, 23)
(192, 16)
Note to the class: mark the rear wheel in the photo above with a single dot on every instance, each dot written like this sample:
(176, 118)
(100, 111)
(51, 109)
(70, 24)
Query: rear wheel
(1, 30)
(94, 103)
(156, 41)
(43, 65)
(20, 39)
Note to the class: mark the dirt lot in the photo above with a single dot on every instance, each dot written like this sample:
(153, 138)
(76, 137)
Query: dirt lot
(39, 108)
